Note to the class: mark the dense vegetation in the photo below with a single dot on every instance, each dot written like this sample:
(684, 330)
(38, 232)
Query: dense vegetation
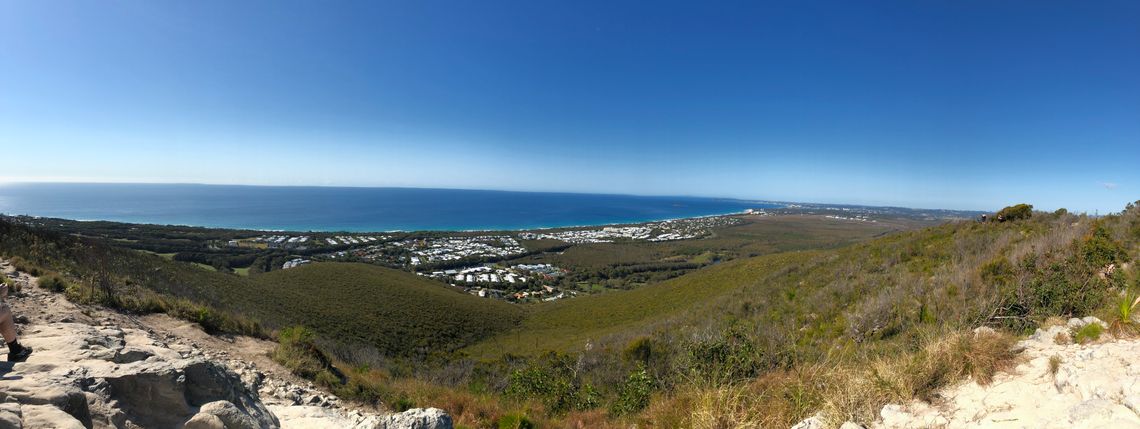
(398, 313)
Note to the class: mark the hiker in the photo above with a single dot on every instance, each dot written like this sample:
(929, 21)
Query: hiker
(16, 352)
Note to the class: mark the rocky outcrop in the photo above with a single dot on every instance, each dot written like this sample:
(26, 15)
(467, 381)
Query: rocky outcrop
(103, 376)
(86, 376)
(417, 418)
(1058, 385)
(95, 368)
(312, 417)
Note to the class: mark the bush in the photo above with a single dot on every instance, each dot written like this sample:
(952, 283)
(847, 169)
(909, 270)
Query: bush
(634, 394)
(22, 265)
(1012, 213)
(1088, 333)
(998, 271)
(554, 380)
(514, 421)
(52, 282)
(639, 351)
(1125, 306)
(726, 359)
(1060, 289)
(298, 352)
(1100, 249)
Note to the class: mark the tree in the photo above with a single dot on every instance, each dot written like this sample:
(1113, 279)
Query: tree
(1012, 213)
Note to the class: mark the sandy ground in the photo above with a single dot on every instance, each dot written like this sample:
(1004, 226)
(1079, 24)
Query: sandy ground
(1057, 385)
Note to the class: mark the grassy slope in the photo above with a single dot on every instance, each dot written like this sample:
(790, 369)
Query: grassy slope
(568, 324)
(394, 310)
(757, 236)
(867, 290)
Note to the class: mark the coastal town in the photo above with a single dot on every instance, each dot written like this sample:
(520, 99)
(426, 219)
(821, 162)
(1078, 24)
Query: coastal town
(677, 229)
(519, 282)
(304, 242)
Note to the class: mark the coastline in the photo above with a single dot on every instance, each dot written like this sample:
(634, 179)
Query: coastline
(390, 231)
(353, 210)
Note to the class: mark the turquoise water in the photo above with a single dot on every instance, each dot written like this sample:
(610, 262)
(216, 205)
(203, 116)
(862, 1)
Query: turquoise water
(346, 209)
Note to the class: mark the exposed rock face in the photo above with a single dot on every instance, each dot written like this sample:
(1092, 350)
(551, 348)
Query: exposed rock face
(85, 376)
(312, 417)
(416, 418)
(112, 370)
(92, 376)
(1094, 386)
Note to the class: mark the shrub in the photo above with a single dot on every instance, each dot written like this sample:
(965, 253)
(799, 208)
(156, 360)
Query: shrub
(554, 380)
(514, 421)
(998, 271)
(979, 356)
(639, 351)
(1015, 212)
(1100, 249)
(1061, 289)
(14, 287)
(1125, 305)
(726, 359)
(1054, 365)
(22, 265)
(1088, 333)
(52, 282)
(634, 394)
(298, 352)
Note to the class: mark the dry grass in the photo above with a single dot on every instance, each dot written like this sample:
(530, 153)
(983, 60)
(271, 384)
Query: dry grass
(849, 390)
(1054, 365)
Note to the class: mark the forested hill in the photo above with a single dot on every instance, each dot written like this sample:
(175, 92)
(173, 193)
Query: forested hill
(394, 312)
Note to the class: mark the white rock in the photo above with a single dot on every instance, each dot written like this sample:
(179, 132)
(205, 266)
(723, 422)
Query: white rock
(1095, 386)
(813, 422)
(417, 418)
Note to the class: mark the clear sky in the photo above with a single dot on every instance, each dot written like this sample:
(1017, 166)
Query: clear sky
(955, 104)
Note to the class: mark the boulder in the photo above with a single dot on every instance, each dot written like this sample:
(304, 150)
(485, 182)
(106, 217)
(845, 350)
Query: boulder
(204, 421)
(813, 422)
(416, 418)
(230, 415)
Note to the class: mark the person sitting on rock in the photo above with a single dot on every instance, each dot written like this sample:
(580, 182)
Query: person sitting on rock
(16, 352)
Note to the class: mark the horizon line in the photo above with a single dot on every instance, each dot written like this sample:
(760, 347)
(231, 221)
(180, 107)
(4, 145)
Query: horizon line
(6, 181)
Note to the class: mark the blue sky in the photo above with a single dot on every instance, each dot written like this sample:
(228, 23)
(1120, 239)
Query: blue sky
(955, 104)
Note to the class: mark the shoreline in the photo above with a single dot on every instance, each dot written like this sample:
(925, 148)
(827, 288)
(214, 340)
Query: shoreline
(400, 231)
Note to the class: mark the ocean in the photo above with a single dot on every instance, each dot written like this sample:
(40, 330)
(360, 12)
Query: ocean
(347, 209)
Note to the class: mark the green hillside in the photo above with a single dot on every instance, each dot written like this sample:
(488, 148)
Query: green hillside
(396, 311)
(958, 274)
(769, 340)
(567, 325)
